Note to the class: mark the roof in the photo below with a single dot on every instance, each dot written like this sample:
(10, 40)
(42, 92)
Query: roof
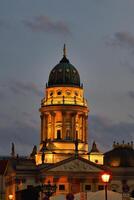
(3, 164)
(64, 162)
(94, 148)
(121, 156)
(64, 73)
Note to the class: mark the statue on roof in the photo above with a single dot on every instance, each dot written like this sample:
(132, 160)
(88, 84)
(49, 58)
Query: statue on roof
(13, 150)
(34, 152)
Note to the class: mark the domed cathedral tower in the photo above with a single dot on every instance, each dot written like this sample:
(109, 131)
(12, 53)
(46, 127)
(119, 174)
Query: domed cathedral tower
(64, 115)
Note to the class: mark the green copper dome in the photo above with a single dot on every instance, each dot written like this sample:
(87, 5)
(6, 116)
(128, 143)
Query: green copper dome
(64, 73)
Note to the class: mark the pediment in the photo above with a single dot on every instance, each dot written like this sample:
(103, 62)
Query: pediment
(76, 166)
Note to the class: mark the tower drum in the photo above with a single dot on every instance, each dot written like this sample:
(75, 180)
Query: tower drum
(64, 115)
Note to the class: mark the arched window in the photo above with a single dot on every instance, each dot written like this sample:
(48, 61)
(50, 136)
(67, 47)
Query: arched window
(58, 134)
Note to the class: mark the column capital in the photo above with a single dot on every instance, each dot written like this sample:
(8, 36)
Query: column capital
(52, 113)
(64, 113)
(73, 114)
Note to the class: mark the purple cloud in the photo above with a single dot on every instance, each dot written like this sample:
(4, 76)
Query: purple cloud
(129, 65)
(131, 94)
(105, 131)
(19, 87)
(26, 133)
(2, 95)
(131, 116)
(23, 134)
(121, 39)
(46, 24)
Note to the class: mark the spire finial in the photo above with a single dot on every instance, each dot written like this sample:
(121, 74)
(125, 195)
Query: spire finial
(64, 50)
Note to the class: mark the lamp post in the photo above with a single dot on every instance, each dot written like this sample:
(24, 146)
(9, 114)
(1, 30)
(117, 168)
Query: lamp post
(48, 189)
(10, 196)
(105, 178)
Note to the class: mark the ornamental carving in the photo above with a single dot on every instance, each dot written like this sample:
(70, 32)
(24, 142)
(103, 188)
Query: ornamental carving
(76, 165)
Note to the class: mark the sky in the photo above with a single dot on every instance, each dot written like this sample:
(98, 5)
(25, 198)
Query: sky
(99, 36)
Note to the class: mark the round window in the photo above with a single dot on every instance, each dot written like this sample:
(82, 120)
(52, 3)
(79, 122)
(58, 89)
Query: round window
(68, 92)
(51, 93)
(59, 92)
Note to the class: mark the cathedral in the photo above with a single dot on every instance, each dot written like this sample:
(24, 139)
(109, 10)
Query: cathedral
(64, 115)
(63, 157)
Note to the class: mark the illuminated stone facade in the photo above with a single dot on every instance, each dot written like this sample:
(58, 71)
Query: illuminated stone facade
(64, 115)
(63, 158)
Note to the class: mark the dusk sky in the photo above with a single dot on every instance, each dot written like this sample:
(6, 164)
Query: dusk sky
(99, 35)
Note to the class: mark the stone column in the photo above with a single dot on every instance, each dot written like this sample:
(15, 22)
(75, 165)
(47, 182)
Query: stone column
(41, 135)
(73, 125)
(52, 124)
(86, 128)
(83, 127)
(45, 127)
(63, 125)
(70, 179)
(94, 184)
(80, 127)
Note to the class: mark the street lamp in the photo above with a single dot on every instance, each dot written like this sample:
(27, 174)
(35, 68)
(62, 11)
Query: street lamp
(10, 196)
(105, 178)
(48, 189)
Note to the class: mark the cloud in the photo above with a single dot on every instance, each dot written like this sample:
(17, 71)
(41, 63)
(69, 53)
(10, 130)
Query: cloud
(131, 69)
(23, 134)
(26, 114)
(1, 23)
(2, 95)
(131, 116)
(129, 65)
(46, 24)
(19, 87)
(4, 24)
(4, 118)
(2, 92)
(121, 39)
(105, 131)
(131, 94)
